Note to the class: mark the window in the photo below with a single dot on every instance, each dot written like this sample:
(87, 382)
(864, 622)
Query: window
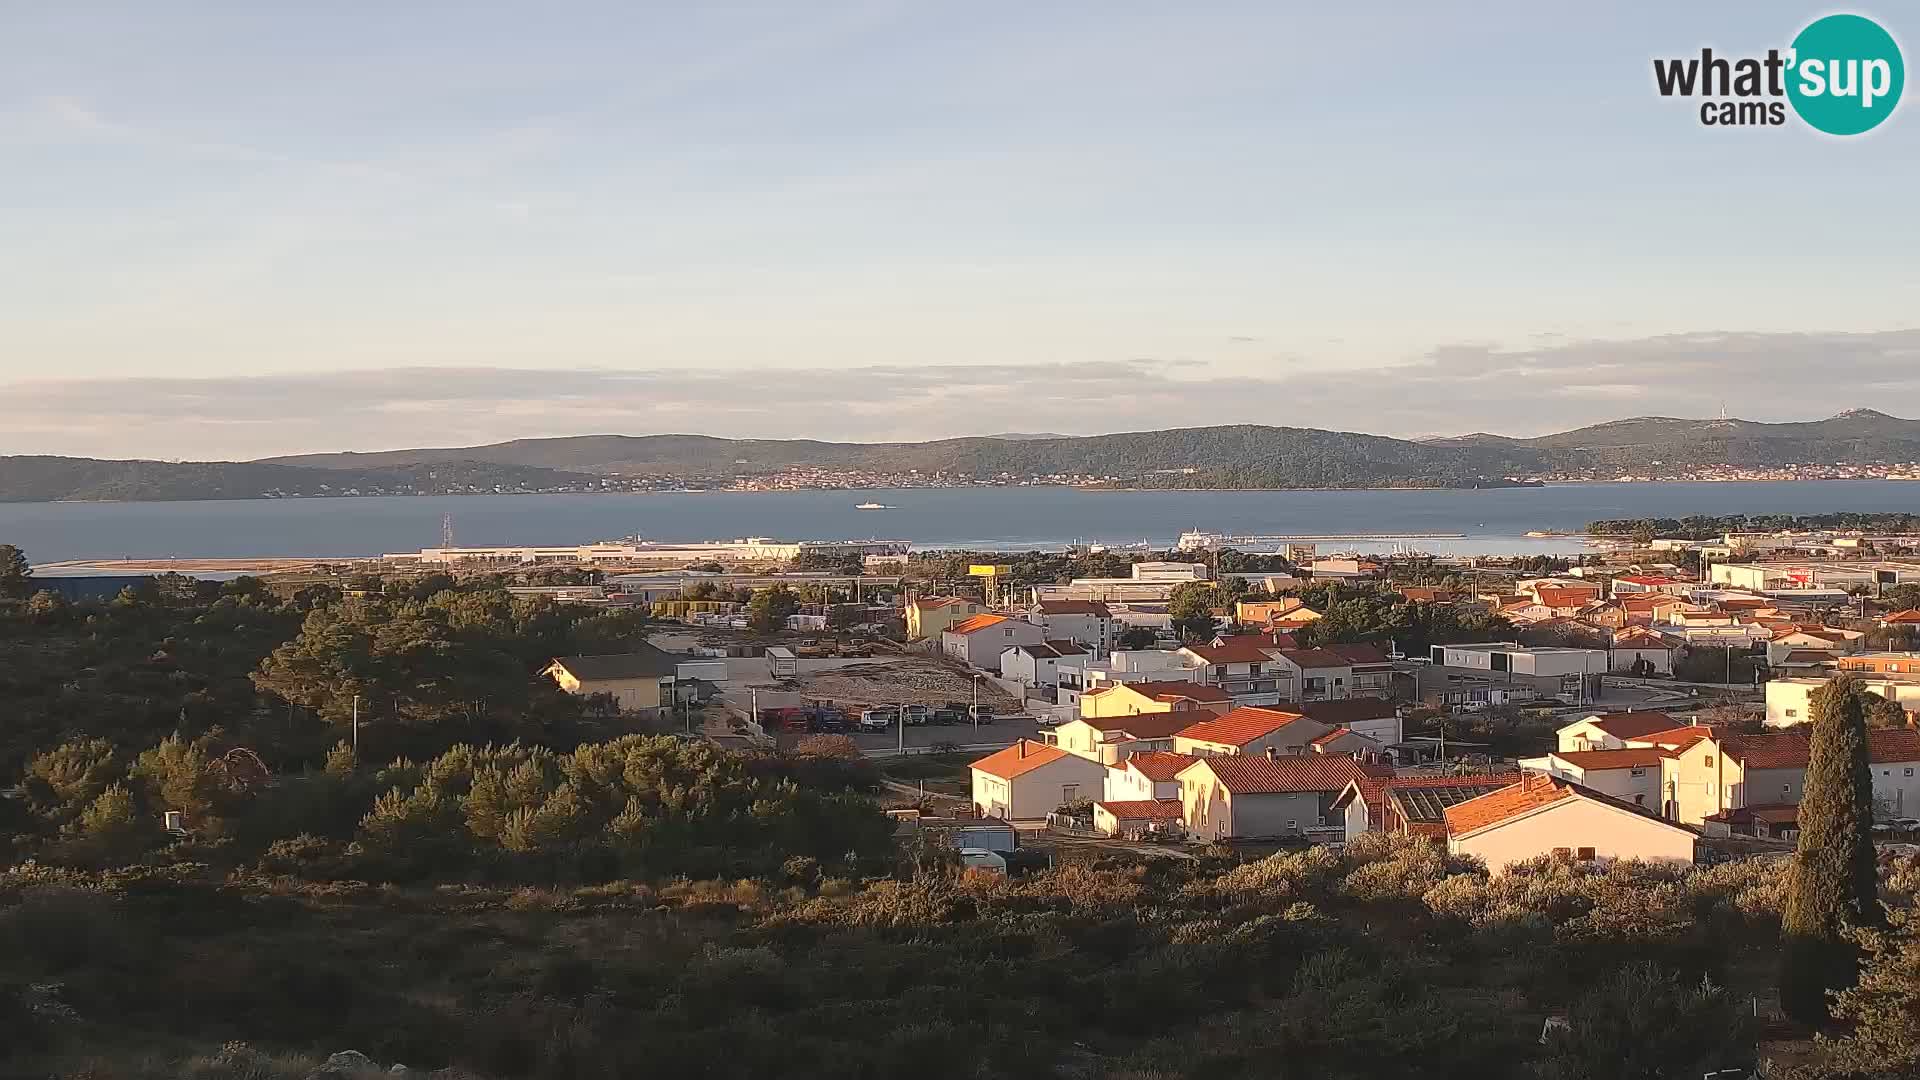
(1909, 770)
(1637, 770)
(1639, 799)
(1709, 764)
(1293, 826)
(1586, 853)
(1786, 789)
(1793, 712)
(1069, 792)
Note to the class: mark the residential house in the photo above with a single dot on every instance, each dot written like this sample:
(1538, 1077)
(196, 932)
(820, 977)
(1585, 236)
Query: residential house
(1376, 718)
(1319, 674)
(1410, 805)
(930, 617)
(1242, 796)
(1549, 815)
(1883, 663)
(978, 641)
(1250, 730)
(1605, 615)
(1565, 601)
(1294, 619)
(1805, 662)
(1731, 772)
(1641, 583)
(1030, 780)
(637, 681)
(1640, 650)
(1084, 622)
(1371, 673)
(1153, 774)
(1112, 740)
(1612, 731)
(1264, 612)
(1632, 774)
(1342, 740)
(1907, 619)
(1828, 639)
(1079, 675)
(1133, 698)
(1135, 819)
(1038, 664)
(1249, 671)
(1790, 699)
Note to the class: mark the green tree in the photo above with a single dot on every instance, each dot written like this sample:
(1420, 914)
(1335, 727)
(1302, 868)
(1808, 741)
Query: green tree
(1882, 712)
(1883, 1010)
(1193, 605)
(769, 608)
(1644, 1023)
(72, 774)
(174, 776)
(1833, 884)
(16, 576)
(1137, 637)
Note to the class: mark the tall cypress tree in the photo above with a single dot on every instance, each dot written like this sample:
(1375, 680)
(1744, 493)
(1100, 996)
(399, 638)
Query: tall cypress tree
(1833, 883)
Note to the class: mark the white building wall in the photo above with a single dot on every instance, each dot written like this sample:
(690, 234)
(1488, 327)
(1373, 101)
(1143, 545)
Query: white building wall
(1577, 823)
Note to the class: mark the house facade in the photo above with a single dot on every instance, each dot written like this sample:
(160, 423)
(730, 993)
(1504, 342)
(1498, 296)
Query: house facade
(636, 681)
(1250, 730)
(1087, 623)
(1029, 780)
(1038, 665)
(1258, 796)
(1632, 775)
(930, 617)
(1548, 815)
(1111, 740)
(978, 641)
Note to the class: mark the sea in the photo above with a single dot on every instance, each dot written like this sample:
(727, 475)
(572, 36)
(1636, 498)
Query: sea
(1490, 521)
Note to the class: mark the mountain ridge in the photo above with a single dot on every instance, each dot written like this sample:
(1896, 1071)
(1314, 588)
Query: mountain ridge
(1234, 456)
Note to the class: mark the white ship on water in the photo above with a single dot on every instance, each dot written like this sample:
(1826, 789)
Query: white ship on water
(871, 506)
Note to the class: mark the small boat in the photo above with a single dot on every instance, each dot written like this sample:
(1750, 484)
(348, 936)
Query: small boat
(872, 506)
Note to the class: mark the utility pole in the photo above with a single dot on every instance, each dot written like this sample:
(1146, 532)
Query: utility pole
(356, 727)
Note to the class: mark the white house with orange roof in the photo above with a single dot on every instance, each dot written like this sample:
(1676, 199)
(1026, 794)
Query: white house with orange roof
(1111, 740)
(1611, 731)
(1544, 814)
(1641, 650)
(1150, 775)
(1030, 780)
(1909, 619)
(979, 640)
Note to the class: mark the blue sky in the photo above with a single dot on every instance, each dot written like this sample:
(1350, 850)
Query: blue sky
(379, 224)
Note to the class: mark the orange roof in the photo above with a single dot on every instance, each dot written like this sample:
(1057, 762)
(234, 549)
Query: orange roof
(1143, 809)
(1632, 725)
(1564, 597)
(975, 622)
(1790, 749)
(1240, 727)
(1633, 757)
(1257, 774)
(1681, 737)
(1509, 802)
(1911, 615)
(1159, 764)
(1020, 758)
(1238, 650)
(1333, 735)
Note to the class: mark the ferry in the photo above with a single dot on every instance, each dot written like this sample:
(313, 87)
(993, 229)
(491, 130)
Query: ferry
(872, 506)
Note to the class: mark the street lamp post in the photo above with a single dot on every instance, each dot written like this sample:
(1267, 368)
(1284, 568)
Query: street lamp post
(974, 710)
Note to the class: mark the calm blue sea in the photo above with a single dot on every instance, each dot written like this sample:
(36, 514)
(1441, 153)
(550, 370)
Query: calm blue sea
(1493, 520)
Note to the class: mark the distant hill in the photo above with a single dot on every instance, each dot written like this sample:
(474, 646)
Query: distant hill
(1858, 436)
(1233, 456)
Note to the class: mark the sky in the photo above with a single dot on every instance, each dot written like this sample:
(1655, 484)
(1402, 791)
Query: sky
(230, 231)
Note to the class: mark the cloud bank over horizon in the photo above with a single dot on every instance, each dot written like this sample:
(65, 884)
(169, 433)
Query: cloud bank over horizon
(1450, 390)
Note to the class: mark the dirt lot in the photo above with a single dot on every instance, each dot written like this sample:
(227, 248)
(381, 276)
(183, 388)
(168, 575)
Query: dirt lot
(898, 680)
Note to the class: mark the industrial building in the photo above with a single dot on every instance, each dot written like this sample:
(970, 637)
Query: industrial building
(634, 552)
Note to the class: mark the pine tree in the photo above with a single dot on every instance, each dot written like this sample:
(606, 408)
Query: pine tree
(16, 575)
(1833, 883)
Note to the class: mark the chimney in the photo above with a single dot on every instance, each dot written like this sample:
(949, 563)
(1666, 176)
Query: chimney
(1023, 748)
(1273, 753)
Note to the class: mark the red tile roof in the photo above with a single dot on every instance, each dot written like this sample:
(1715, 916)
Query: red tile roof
(975, 622)
(1022, 757)
(1143, 809)
(1506, 803)
(1159, 765)
(1315, 658)
(1564, 597)
(1346, 711)
(1333, 736)
(1634, 757)
(1257, 774)
(1152, 725)
(1790, 749)
(1910, 615)
(1681, 737)
(1241, 726)
(1359, 654)
(1632, 725)
(1074, 607)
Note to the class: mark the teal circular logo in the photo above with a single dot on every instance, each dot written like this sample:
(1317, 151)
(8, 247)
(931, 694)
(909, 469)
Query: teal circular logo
(1845, 76)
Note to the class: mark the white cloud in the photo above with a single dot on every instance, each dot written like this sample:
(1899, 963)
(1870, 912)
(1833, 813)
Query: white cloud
(1452, 389)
